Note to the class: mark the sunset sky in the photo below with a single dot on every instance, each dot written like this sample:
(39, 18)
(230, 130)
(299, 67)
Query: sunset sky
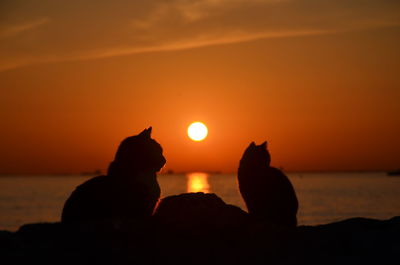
(319, 80)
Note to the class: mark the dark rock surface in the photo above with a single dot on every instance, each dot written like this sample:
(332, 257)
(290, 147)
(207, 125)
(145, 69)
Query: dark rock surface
(202, 229)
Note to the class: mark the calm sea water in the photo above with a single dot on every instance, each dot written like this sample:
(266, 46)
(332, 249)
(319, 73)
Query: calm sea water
(323, 197)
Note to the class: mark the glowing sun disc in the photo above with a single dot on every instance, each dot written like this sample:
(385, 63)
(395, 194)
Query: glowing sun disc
(197, 131)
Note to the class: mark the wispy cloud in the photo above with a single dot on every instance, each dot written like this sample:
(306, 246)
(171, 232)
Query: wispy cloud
(200, 41)
(12, 30)
(99, 29)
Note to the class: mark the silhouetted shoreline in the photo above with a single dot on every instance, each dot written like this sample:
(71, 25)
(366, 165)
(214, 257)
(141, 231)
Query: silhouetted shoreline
(198, 228)
(233, 241)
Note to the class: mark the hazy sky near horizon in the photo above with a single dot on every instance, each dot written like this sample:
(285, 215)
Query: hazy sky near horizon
(320, 80)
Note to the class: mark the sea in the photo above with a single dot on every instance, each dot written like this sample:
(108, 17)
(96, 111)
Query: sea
(323, 197)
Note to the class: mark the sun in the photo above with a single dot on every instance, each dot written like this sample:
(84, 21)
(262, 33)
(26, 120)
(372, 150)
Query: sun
(197, 131)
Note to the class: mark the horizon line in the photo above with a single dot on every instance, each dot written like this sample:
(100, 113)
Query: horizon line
(213, 172)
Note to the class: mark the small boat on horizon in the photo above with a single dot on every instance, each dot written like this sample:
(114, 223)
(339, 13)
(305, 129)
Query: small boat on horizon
(394, 173)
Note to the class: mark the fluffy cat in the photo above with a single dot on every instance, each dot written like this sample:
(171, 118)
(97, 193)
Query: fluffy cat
(267, 192)
(129, 190)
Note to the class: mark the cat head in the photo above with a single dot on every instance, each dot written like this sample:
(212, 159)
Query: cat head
(138, 153)
(256, 156)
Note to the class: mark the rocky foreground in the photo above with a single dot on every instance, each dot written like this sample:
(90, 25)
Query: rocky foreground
(202, 229)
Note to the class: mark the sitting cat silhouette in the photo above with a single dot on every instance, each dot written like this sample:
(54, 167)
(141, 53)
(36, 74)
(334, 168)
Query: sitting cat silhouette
(267, 192)
(129, 190)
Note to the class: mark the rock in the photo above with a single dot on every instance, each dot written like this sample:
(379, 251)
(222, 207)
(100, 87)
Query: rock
(199, 212)
(199, 228)
(351, 241)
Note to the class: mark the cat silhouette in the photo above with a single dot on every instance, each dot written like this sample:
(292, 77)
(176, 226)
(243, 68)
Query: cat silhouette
(267, 192)
(129, 190)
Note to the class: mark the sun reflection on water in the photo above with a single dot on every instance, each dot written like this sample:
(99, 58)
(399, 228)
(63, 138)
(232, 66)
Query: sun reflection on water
(198, 182)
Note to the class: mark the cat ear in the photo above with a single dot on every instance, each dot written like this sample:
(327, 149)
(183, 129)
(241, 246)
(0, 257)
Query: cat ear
(264, 145)
(252, 145)
(146, 133)
(149, 131)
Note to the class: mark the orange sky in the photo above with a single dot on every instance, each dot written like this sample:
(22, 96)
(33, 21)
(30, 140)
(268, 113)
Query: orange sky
(322, 87)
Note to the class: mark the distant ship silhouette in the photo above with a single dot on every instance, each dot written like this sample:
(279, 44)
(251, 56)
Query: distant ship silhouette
(394, 173)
